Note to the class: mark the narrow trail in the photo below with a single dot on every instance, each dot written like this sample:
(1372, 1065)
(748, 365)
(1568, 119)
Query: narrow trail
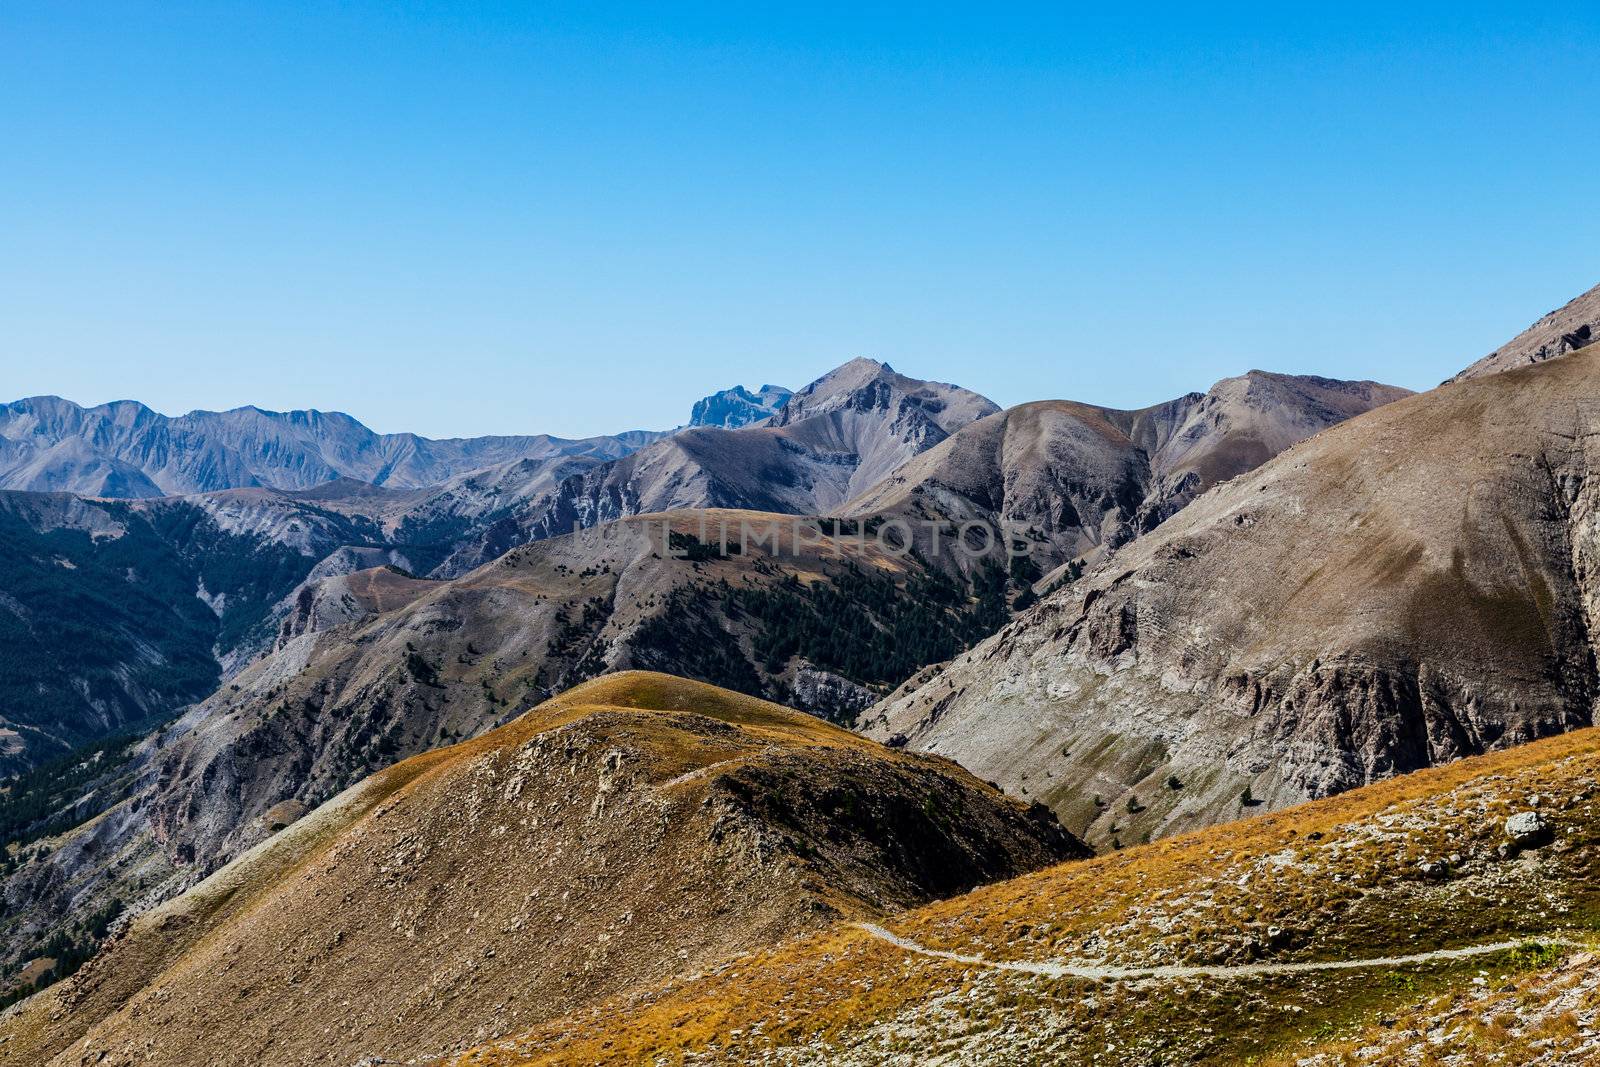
(696, 774)
(1243, 970)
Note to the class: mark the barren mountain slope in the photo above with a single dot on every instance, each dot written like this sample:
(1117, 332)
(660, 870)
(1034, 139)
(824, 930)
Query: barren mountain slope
(1406, 588)
(347, 587)
(636, 828)
(70, 465)
(1070, 479)
(828, 443)
(1570, 327)
(373, 667)
(1236, 426)
(1262, 941)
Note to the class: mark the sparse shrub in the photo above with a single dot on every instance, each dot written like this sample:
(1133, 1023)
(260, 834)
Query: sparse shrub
(1534, 955)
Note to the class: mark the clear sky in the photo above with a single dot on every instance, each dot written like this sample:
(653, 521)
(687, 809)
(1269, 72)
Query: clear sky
(486, 218)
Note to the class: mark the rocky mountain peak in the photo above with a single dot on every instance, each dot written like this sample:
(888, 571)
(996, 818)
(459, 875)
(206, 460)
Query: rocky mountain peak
(866, 384)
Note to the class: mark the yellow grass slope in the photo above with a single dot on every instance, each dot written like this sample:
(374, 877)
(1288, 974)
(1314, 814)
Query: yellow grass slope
(1335, 880)
(637, 827)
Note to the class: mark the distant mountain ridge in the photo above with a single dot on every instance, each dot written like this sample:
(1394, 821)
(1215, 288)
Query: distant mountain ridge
(1074, 479)
(125, 449)
(113, 612)
(736, 407)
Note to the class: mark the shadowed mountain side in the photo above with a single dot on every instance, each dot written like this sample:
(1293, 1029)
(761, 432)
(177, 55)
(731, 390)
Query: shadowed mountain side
(117, 613)
(636, 828)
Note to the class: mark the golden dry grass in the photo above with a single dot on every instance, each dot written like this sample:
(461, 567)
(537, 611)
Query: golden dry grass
(1347, 884)
(634, 827)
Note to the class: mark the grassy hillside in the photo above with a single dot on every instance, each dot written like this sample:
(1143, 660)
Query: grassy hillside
(1333, 881)
(637, 828)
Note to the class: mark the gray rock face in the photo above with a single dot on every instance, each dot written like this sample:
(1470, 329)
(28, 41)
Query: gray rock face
(830, 695)
(736, 407)
(348, 585)
(1408, 587)
(124, 449)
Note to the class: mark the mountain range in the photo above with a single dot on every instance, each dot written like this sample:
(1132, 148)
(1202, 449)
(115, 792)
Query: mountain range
(328, 655)
(1073, 480)
(124, 449)
(496, 754)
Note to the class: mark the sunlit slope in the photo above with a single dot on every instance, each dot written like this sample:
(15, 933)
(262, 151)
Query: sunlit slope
(1334, 883)
(637, 827)
(1416, 584)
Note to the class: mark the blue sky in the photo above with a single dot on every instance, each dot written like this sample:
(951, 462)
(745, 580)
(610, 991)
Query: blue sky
(494, 218)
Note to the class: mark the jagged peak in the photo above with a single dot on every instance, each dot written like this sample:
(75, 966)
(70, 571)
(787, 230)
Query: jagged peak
(737, 406)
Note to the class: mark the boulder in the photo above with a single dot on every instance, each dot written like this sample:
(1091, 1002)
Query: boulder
(1528, 828)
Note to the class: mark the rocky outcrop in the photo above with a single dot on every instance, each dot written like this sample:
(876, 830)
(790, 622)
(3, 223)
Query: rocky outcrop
(1409, 587)
(347, 586)
(830, 695)
(1570, 327)
(1528, 828)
